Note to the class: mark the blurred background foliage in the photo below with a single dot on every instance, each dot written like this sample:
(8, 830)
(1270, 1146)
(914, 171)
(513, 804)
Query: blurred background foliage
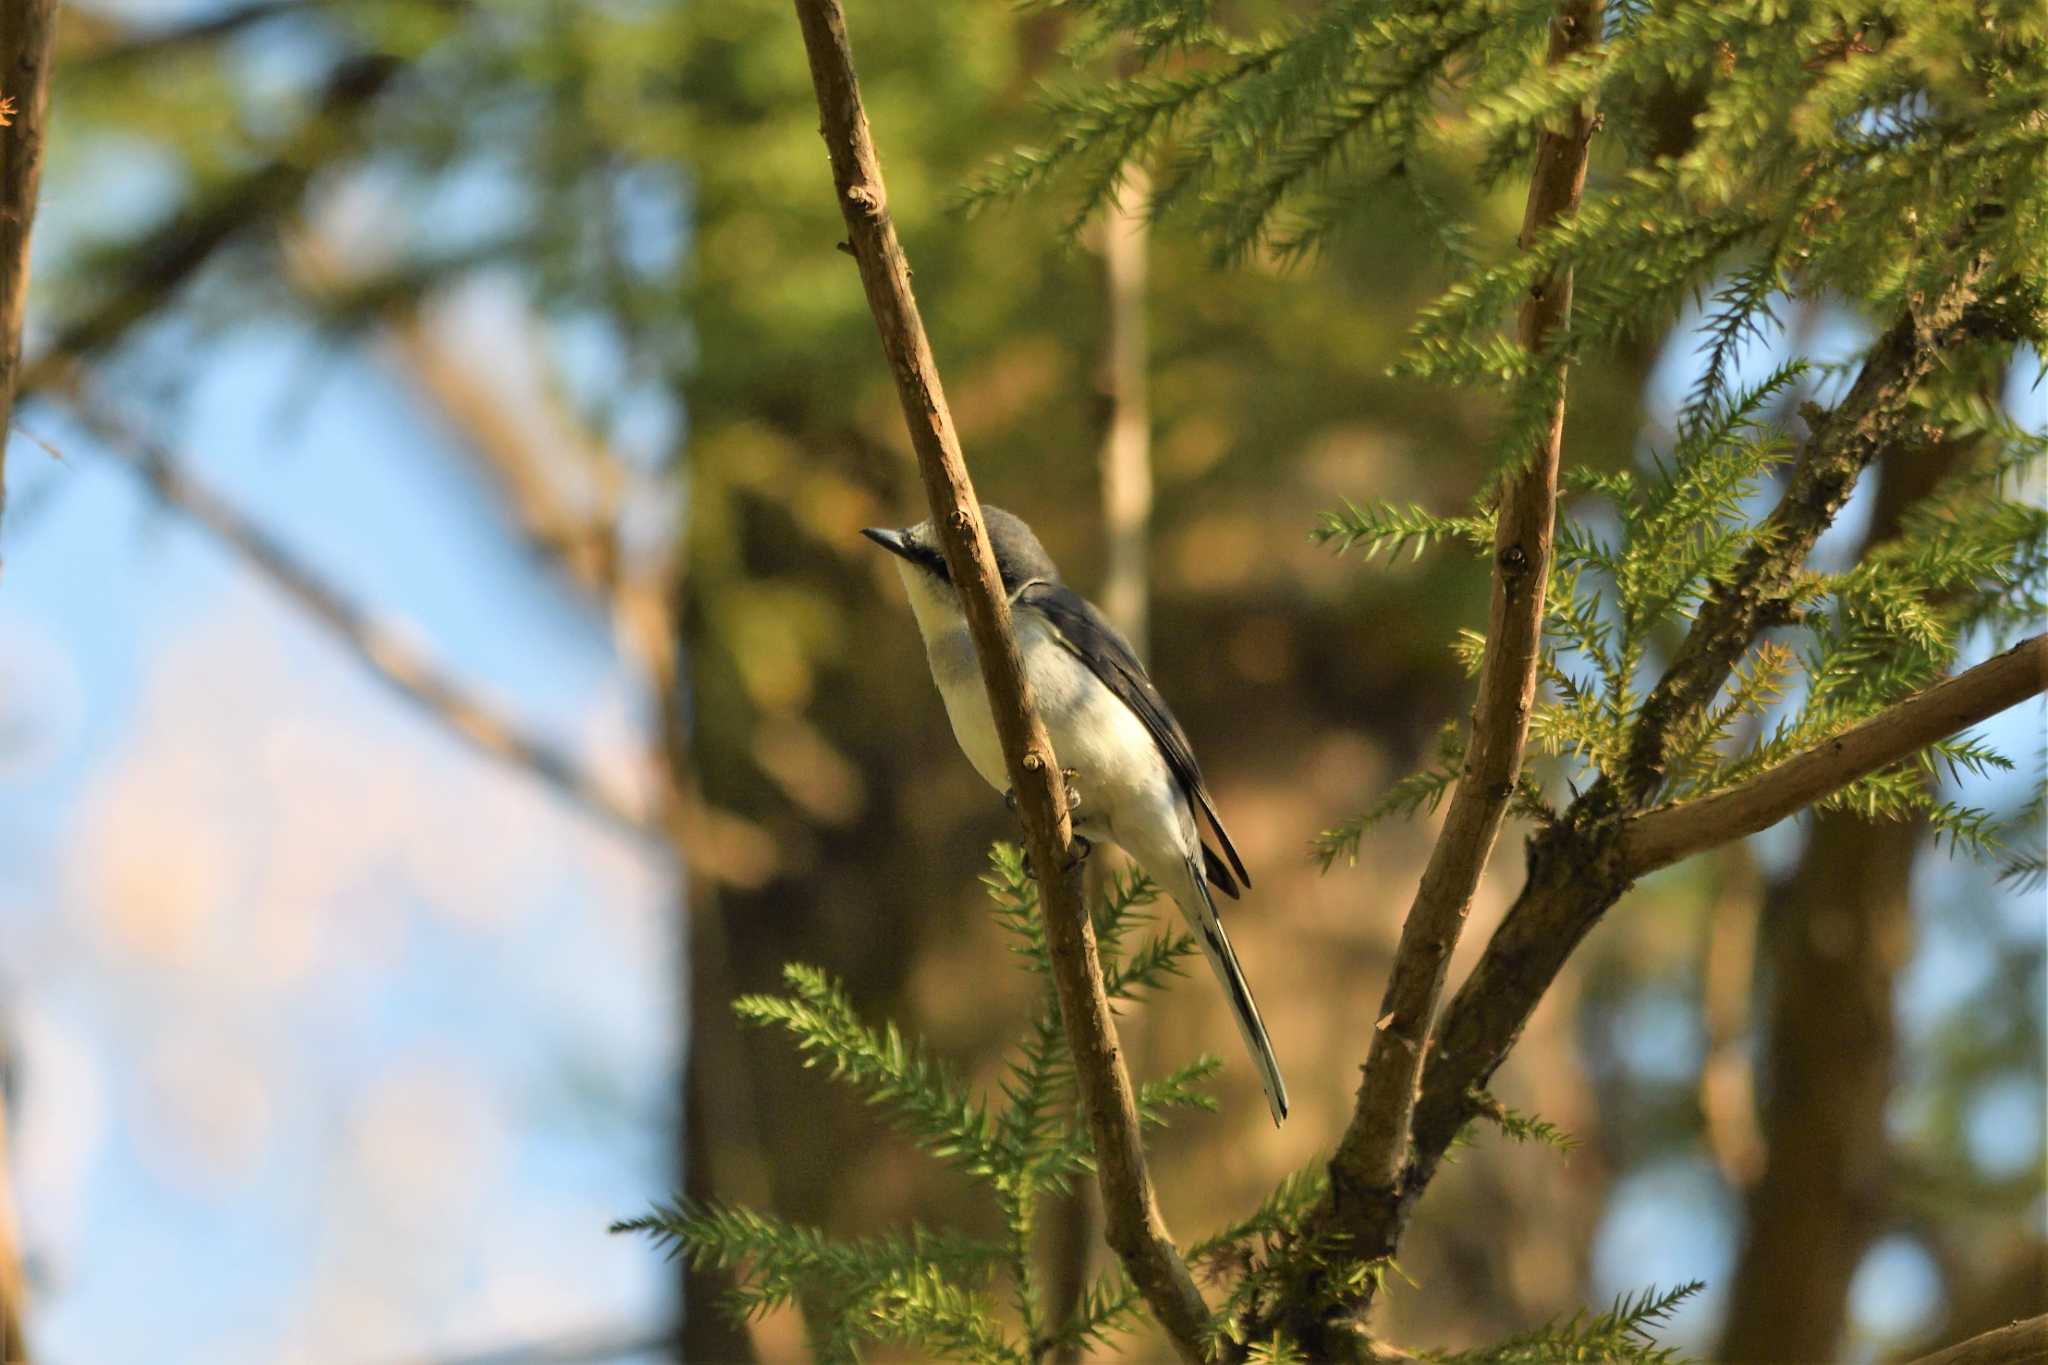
(520, 323)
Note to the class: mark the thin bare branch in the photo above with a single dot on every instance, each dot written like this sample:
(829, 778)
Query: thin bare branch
(389, 656)
(1368, 1162)
(28, 31)
(2014, 1344)
(1135, 1228)
(1661, 837)
(163, 260)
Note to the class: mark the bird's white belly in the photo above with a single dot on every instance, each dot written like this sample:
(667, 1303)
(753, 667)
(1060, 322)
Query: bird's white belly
(1124, 783)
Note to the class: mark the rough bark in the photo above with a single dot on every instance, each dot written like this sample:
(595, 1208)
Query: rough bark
(1844, 441)
(1366, 1171)
(1135, 1228)
(1577, 865)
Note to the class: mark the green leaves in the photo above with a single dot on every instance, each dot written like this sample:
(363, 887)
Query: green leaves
(918, 1286)
(1639, 551)
(1621, 1334)
(1388, 528)
(928, 1101)
(934, 1291)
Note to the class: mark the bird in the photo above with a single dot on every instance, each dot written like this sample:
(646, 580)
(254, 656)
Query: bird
(1133, 776)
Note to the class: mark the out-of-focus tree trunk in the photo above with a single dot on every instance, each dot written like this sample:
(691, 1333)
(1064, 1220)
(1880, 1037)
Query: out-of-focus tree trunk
(1127, 440)
(1727, 1089)
(1834, 936)
(1126, 478)
(27, 40)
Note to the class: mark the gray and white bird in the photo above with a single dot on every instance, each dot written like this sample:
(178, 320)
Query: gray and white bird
(1136, 775)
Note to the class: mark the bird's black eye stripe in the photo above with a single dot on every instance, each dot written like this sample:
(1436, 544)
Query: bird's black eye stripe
(933, 558)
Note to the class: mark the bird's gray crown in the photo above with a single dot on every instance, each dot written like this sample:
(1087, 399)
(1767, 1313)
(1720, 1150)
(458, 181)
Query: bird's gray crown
(1019, 557)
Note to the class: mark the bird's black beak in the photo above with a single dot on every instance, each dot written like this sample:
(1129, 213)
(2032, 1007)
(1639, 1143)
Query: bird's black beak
(895, 542)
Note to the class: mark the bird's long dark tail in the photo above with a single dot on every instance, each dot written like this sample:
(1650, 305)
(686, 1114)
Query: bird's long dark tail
(1208, 927)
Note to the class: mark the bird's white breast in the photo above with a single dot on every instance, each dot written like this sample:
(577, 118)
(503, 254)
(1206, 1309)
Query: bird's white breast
(1127, 791)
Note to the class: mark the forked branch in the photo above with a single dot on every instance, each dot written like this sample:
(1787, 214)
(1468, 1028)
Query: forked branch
(1135, 1227)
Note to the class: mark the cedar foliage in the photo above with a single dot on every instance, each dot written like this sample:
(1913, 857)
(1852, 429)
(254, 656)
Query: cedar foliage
(936, 1290)
(1887, 159)
(1861, 154)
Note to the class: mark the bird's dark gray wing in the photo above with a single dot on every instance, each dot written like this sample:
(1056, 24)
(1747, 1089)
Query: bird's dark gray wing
(1089, 636)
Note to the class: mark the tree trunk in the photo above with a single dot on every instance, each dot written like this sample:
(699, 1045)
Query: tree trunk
(1836, 934)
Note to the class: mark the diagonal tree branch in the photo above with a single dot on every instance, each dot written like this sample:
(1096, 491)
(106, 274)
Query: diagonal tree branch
(1135, 1228)
(1844, 441)
(1576, 869)
(1661, 837)
(391, 658)
(163, 260)
(28, 31)
(1366, 1169)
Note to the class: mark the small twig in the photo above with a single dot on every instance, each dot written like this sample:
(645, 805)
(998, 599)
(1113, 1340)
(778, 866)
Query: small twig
(28, 31)
(1135, 1228)
(1661, 837)
(385, 652)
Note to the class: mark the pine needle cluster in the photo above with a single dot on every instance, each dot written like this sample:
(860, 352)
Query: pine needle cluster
(1762, 157)
(1621, 1334)
(1643, 549)
(963, 1297)
(942, 1291)
(1854, 148)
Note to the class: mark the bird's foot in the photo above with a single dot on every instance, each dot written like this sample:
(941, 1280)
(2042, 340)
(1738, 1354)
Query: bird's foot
(1067, 775)
(1078, 850)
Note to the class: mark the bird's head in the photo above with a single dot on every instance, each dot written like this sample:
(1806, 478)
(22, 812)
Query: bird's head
(1020, 559)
